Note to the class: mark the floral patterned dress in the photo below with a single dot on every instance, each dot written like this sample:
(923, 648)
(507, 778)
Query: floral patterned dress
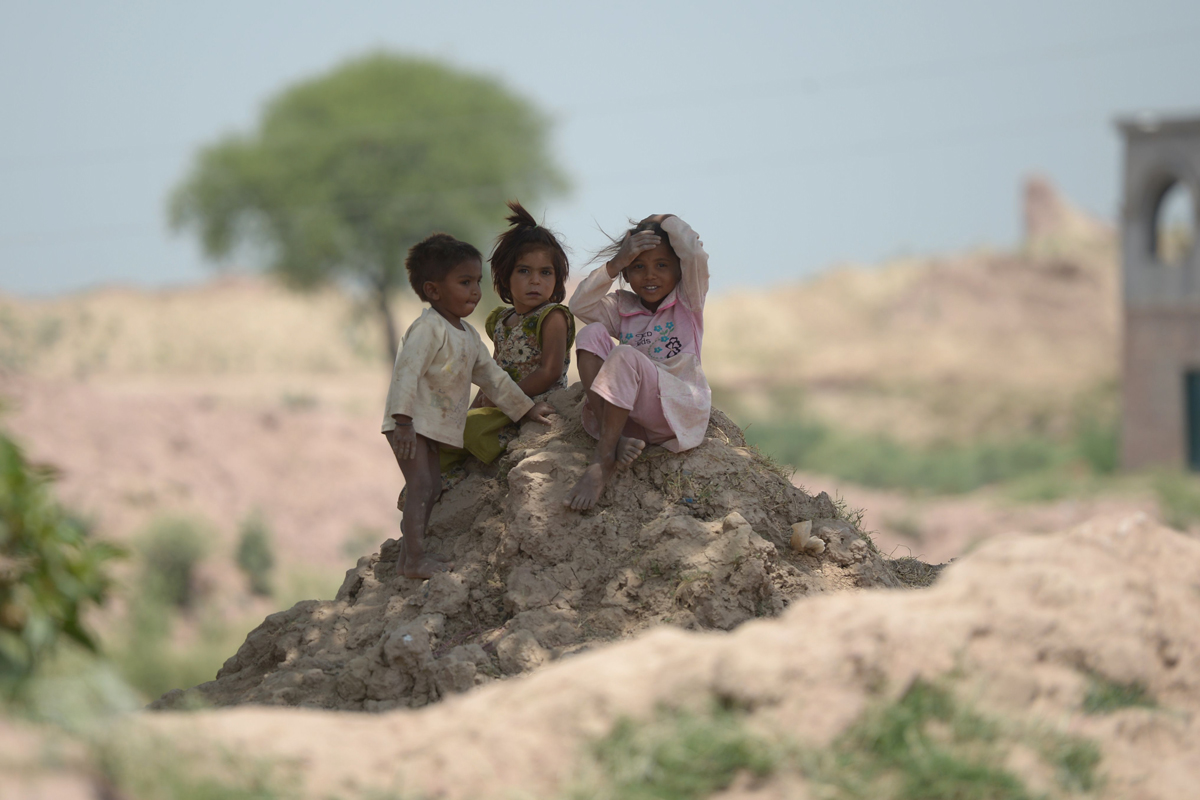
(518, 340)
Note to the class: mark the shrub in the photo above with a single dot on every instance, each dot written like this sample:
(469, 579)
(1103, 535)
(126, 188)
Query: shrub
(255, 555)
(50, 569)
(171, 548)
(1178, 498)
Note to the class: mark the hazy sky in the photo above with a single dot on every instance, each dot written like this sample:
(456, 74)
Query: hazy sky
(790, 135)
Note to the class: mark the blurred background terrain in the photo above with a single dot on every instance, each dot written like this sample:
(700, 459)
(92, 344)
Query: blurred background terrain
(916, 279)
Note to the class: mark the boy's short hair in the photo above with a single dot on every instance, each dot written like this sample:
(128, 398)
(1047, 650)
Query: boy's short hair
(433, 257)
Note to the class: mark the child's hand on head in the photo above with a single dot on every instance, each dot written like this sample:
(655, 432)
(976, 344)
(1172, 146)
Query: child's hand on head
(539, 413)
(632, 246)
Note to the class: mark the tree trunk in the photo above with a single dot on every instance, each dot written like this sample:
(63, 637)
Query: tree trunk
(392, 340)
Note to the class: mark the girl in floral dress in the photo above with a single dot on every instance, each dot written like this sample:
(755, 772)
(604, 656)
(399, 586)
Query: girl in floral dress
(532, 337)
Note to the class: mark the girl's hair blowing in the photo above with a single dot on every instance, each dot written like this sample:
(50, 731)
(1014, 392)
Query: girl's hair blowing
(525, 234)
(646, 224)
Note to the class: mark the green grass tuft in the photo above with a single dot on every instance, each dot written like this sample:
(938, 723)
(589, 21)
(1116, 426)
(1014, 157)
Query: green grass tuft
(1105, 696)
(677, 756)
(1074, 760)
(1178, 498)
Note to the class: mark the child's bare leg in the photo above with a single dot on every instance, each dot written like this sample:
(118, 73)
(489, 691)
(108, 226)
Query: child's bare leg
(628, 448)
(604, 461)
(423, 478)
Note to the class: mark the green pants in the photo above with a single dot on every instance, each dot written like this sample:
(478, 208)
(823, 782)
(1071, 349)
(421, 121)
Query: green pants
(481, 438)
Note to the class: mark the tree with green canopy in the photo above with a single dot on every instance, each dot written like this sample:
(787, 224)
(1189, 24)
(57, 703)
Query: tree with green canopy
(348, 170)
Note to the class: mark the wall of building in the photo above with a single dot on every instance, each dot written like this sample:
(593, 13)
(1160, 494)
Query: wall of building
(1161, 346)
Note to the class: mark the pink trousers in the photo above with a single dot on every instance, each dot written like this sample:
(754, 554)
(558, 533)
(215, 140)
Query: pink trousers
(628, 379)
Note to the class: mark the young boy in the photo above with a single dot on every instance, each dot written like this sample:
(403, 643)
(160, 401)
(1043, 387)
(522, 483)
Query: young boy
(440, 357)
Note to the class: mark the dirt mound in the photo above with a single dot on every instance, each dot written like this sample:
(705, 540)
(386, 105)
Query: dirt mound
(701, 540)
(1028, 631)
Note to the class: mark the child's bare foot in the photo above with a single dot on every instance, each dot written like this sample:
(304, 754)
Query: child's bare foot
(628, 449)
(435, 563)
(589, 488)
(424, 567)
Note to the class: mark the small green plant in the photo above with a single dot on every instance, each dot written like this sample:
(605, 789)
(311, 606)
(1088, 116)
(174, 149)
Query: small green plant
(679, 755)
(1097, 441)
(1074, 760)
(1178, 498)
(1104, 696)
(171, 548)
(51, 570)
(255, 555)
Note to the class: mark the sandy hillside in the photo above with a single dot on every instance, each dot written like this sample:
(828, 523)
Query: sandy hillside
(1011, 647)
(986, 342)
(239, 395)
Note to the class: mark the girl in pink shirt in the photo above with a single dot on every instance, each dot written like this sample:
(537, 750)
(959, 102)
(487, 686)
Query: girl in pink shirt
(647, 386)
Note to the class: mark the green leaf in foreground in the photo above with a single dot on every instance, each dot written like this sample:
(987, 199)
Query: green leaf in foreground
(51, 570)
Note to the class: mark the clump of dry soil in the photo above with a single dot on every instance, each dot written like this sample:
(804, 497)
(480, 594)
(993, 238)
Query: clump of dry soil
(699, 540)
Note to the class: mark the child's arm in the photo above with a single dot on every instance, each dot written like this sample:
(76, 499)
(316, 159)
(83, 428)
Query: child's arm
(591, 301)
(499, 387)
(554, 353)
(693, 261)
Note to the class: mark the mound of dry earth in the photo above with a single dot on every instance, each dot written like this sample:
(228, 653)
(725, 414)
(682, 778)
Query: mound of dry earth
(700, 540)
(1019, 628)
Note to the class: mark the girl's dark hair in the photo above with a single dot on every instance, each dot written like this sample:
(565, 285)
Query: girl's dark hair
(525, 234)
(646, 224)
(433, 257)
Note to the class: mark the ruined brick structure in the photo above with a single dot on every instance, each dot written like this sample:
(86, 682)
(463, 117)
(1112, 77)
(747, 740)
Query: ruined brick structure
(1161, 360)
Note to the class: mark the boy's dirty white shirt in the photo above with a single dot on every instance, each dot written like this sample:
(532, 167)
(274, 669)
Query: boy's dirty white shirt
(670, 336)
(431, 381)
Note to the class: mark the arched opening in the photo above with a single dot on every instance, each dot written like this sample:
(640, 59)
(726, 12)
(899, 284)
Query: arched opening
(1174, 227)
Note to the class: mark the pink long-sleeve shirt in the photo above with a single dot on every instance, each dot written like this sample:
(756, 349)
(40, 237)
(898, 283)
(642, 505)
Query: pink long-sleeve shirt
(670, 336)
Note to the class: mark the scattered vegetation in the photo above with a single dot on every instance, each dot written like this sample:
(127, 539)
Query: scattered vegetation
(256, 555)
(927, 746)
(1178, 498)
(679, 755)
(170, 549)
(153, 658)
(923, 746)
(51, 570)
(145, 766)
(1105, 696)
(949, 468)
